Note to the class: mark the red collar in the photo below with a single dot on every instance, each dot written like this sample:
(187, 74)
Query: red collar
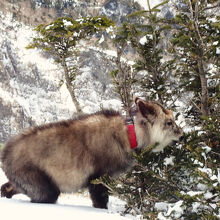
(132, 136)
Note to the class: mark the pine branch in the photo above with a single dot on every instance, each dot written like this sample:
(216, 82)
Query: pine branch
(195, 20)
(121, 196)
(212, 7)
(160, 4)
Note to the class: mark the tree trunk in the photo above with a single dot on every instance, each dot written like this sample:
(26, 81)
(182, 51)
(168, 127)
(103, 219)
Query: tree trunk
(123, 79)
(204, 89)
(70, 87)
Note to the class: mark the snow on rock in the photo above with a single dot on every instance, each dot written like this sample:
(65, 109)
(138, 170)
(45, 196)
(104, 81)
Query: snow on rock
(144, 3)
(102, 39)
(91, 95)
(29, 82)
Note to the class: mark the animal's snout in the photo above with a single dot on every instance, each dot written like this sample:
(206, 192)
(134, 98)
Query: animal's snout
(181, 138)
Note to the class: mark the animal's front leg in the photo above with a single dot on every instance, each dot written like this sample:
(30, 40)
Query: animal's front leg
(99, 195)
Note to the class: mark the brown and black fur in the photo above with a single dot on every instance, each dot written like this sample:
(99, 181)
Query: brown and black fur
(65, 156)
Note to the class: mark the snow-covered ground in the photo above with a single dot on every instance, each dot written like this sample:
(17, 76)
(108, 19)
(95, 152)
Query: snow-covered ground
(68, 206)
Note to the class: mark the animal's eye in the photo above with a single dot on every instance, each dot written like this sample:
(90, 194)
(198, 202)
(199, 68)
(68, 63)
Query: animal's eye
(169, 123)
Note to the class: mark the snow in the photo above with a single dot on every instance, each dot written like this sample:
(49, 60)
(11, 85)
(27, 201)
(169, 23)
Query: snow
(49, 26)
(218, 177)
(34, 100)
(207, 149)
(212, 19)
(102, 39)
(211, 175)
(195, 206)
(169, 161)
(68, 207)
(144, 4)
(143, 40)
(176, 208)
(202, 187)
(194, 193)
(6, 95)
(161, 217)
(110, 29)
(162, 206)
(112, 53)
(198, 163)
(44, 101)
(208, 195)
(67, 23)
(23, 209)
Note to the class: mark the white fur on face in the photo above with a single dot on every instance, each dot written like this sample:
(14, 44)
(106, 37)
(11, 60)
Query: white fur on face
(162, 137)
(159, 137)
(155, 125)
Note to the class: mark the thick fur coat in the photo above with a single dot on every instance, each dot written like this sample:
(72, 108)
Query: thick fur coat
(65, 156)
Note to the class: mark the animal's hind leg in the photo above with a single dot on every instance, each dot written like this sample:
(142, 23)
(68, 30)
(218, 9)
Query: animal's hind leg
(36, 184)
(8, 190)
(99, 195)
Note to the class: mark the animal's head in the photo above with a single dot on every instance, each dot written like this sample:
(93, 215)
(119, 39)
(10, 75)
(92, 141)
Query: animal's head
(155, 125)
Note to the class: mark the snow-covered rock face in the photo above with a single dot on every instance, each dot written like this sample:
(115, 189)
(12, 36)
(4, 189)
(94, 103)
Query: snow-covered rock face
(29, 92)
(40, 11)
(29, 81)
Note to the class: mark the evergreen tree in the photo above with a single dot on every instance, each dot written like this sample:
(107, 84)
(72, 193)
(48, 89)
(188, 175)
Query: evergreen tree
(142, 33)
(183, 182)
(157, 80)
(124, 78)
(196, 45)
(60, 39)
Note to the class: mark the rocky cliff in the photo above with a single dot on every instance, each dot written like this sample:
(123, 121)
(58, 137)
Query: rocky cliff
(29, 81)
(33, 12)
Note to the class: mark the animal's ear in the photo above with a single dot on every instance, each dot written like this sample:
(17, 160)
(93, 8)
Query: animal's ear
(136, 100)
(145, 108)
(169, 112)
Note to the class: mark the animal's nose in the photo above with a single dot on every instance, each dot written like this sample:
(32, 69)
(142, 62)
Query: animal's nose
(181, 138)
